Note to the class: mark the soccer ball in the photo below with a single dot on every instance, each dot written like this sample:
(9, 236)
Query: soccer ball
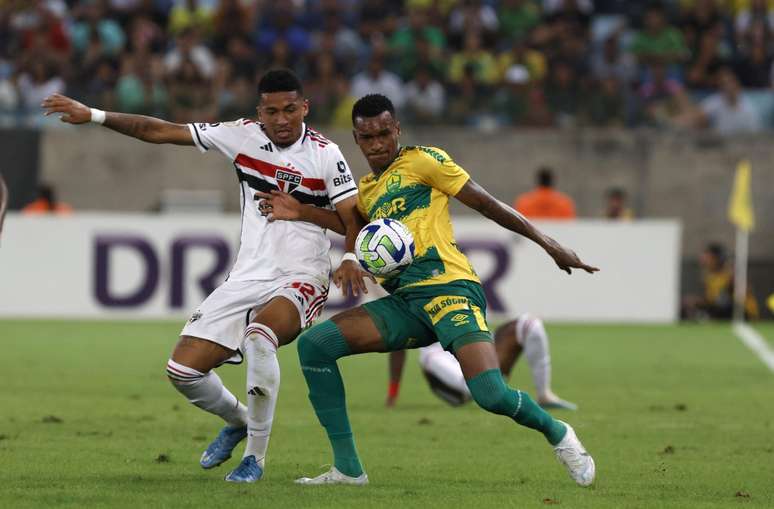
(384, 247)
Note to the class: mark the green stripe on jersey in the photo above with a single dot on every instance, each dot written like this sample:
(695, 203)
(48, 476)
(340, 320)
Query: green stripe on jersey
(401, 202)
(421, 269)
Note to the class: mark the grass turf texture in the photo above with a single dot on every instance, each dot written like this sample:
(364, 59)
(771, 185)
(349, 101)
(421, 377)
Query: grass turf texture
(674, 416)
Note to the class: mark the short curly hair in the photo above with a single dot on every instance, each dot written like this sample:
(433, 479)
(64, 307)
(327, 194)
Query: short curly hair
(372, 105)
(280, 80)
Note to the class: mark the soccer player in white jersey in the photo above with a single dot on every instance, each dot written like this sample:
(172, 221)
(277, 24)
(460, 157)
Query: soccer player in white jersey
(526, 334)
(279, 281)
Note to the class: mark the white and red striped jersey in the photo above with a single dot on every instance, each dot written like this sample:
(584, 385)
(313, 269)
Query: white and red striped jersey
(312, 170)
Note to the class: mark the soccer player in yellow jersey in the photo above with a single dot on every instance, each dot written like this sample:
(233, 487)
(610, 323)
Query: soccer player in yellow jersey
(436, 298)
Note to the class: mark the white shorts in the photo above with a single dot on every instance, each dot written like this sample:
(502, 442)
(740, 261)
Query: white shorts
(225, 313)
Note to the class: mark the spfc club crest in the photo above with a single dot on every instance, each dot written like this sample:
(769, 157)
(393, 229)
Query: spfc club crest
(288, 179)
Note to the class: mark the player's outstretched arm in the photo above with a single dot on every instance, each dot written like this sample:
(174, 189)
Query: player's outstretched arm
(477, 198)
(149, 129)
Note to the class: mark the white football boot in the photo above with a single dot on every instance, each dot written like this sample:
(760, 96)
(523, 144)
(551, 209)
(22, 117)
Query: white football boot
(333, 476)
(571, 453)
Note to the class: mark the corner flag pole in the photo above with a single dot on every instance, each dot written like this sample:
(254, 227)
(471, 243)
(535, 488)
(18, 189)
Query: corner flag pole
(740, 273)
(740, 213)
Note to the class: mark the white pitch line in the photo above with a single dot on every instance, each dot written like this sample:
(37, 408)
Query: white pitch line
(755, 342)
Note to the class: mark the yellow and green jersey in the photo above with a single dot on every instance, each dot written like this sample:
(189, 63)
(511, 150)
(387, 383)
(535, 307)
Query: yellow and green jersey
(415, 190)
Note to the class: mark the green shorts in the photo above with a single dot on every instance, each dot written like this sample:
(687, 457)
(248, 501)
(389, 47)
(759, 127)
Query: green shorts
(453, 314)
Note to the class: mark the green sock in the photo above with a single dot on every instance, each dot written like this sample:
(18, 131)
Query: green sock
(490, 392)
(318, 349)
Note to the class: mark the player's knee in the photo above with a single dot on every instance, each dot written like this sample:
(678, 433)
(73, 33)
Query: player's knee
(180, 375)
(323, 342)
(260, 339)
(490, 392)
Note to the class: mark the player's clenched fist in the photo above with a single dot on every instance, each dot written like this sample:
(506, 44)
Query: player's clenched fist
(71, 110)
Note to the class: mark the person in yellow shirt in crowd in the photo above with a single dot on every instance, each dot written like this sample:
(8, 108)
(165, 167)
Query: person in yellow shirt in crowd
(717, 299)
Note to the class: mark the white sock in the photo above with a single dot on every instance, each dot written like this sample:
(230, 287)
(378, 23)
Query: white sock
(263, 382)
(207, 392)
(444, 366)
(534, 340)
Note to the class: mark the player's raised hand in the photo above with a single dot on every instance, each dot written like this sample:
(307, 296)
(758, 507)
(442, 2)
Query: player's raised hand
(566, 259)
(278, 206)
(349, 277)
(70, 110)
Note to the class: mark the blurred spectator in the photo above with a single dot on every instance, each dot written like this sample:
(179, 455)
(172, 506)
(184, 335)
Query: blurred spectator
(237, 99)
(664, 100)
(517, 18)
(241, 58)
(472, 16)
(473, 56)
(520, 54)
(717, 300)
(754, 66)
(41, 29)
(38, 83)
(343, 42)
(425, 98)
(375, 16)
(553, 6)
(701, 18)
(611, 62)
(563, 93)
(325, 88)
(709, 55)
(231, 19)
(658, 42)
(564, 32)
(100, 82)
(377, 80)
(189, 48)
(189, 14)
(279, 24)
(545, 202)
(47, 203)
(97, 32)
(140, 87)
(512, 100)
(424, 56)
(468, 98)
(605, 105)
(728, 111)
(616, 207)
(190, 95)
(405, 42)
(754, 13)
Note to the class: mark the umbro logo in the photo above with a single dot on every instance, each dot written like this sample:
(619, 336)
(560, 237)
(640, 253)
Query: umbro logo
(267, 147)
(459, 319)
(195, 317)
(256, 391)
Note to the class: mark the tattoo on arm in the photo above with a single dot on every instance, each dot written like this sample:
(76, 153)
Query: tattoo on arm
(148, 129)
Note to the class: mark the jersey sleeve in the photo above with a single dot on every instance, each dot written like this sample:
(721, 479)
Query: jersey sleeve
(338, 179)
(223, 136)
(438, 170)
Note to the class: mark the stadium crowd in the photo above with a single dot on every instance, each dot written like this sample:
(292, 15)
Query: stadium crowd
(681, 64)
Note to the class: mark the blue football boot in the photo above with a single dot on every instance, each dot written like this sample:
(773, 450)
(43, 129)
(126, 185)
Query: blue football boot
(220, 448)
(247, 471)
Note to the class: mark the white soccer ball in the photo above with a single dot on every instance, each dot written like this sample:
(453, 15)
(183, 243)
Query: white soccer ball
(384, 247)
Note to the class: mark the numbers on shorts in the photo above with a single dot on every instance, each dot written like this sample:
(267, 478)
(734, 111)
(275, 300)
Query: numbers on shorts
(305, 289)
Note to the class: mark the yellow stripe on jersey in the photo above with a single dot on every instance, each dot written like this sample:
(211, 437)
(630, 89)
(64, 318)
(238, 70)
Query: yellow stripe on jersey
(415, 190)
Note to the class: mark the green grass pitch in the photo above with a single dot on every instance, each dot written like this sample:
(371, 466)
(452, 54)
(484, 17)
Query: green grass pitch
(675, 416)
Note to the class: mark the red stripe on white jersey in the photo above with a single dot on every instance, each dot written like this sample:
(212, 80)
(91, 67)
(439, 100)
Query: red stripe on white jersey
(270, 170)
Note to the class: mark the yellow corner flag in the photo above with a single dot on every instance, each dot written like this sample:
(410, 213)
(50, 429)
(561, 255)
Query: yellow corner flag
(740, 210)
